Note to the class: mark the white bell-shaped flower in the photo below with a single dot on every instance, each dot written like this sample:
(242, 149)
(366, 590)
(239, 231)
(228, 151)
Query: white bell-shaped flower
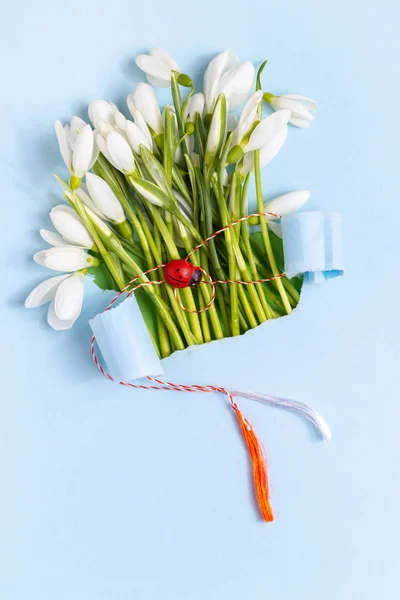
(65, 294)
(158, 66)
(117, 150)
(70, 226)
(145, 101)
(227, 75)
(77, 146)
(141, 123)
(268, 137)
(104, 198)
(300, 107)
(195, 105)
(102, 115)
(248, 116)
(287, 203)
(65, 258)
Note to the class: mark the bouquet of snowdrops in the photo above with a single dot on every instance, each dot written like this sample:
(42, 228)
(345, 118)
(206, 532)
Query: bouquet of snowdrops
(146, 191)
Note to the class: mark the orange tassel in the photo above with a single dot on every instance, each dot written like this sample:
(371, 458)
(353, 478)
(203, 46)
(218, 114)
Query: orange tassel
(258, 461)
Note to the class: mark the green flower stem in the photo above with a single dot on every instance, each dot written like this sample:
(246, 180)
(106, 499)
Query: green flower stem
(234, 250)
(177, 98)
(265, 234)
(252, 289)
(168, 292)
(232, 267)
(174, 255)
(248, 309)
(248, 251)
(158, 302)
(205, 292)
(80, 209)
(165, 346)
(259, 256)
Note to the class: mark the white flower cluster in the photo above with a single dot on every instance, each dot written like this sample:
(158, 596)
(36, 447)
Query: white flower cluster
(227, 85)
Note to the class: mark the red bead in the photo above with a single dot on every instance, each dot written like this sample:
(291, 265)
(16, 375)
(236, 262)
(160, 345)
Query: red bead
(181, 274)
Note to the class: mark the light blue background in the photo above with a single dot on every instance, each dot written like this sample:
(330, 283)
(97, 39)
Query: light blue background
(113, 494)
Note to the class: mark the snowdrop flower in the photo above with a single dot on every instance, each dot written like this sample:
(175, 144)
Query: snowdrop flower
(70, 227)
(225, 74)
(134, 135)
(65, 258)
(117, 151)
(268, 137)
(144, 100)
(248, 116)
(102, 114)
(141, 123)
(104, 198)
(77, 148)
(158, 67)
(195, 105)
(108, 204)
(300, 107)
(65, 294)
(287, 203)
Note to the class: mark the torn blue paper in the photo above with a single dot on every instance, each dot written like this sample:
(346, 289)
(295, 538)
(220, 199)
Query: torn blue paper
(312, 245)
(125, 342)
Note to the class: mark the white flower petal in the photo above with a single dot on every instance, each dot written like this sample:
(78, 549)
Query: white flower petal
(232, 123)
(83, 195)
(55, 322)
(39, 257)
(101, 111)
(67, 258)
(309, 103)
(300, 123)
(102, 145)
(83, 151)
(194, 106)
(65, 149)
(236, 84)
(120, 152)
(270, 150)
(104, 198)
(247, 164)
(222, 62)
(153, 66)
(69, 298)
(157, 82)
(77, 124)
(161, 54)
(141, 123)
(52, 238)
(136, 137)
(267, 129)
(249, 115)
(287, 203)
(44, 292)
(145, 100)
(297, 109)
(70, 226)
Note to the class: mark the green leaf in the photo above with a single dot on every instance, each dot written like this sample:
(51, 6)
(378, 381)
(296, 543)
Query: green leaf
(102, 277)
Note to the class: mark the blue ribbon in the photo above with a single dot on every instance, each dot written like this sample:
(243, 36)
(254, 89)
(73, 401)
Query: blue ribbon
(312, 245)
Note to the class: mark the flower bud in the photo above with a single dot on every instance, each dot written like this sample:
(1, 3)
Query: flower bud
(184, 80)
(189, 128)
(235, 154)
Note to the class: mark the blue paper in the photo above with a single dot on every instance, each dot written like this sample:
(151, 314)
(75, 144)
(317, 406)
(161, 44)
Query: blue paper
(125, 343)
(312, 245)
